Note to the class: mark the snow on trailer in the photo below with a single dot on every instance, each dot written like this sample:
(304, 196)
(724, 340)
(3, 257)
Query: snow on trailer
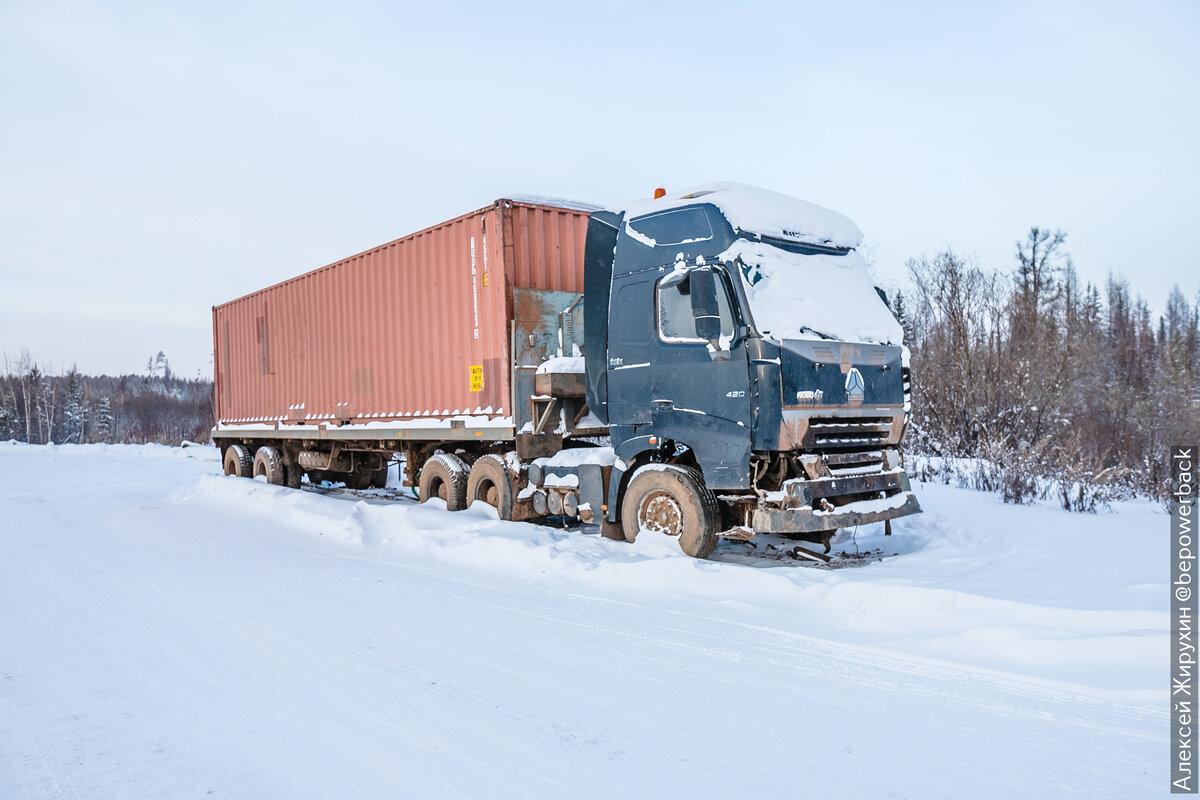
(712, 363)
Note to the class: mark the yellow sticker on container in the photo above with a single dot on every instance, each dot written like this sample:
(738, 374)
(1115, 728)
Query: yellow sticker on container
(476, 377)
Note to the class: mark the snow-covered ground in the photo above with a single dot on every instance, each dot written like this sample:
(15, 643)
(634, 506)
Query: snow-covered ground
(167, 632)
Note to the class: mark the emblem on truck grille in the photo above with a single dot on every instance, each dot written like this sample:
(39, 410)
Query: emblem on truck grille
(854, 386)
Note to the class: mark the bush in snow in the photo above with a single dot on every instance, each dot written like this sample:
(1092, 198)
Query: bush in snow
(1027, 383)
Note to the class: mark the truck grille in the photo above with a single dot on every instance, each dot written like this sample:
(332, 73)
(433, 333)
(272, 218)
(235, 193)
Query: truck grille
(849, 432)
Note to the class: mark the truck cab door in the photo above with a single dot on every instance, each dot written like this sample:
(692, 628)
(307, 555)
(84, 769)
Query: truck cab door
(700, 376)
(630, 343)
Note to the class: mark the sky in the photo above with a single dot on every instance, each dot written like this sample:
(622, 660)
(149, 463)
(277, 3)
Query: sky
(155, 160)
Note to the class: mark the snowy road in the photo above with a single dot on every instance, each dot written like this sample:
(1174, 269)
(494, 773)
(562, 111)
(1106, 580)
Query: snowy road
(169, 633)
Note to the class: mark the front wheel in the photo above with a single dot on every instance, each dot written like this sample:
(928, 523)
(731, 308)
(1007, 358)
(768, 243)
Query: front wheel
(670, 499)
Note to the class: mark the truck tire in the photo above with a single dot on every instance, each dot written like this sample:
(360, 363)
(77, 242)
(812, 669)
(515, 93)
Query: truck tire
(379, 478)
(445, 476)
(293, 475)
(238, 461)
(491, 482)
(268, 462)
(673, 500)
(359, 479)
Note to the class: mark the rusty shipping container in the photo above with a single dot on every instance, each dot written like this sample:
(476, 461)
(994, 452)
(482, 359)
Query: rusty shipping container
(415, 328)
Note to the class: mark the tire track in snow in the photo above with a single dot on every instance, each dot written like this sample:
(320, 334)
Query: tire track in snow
(363, 669)
(267, 639)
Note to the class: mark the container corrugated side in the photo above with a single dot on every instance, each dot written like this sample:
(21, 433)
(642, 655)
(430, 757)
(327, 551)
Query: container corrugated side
(403, 330)
(547, 247)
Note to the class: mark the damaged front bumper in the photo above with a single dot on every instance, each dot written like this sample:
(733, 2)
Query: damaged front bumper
(832, 502)
(808, 520)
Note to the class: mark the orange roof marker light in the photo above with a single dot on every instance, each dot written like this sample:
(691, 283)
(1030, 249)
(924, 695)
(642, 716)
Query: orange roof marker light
(660, 193)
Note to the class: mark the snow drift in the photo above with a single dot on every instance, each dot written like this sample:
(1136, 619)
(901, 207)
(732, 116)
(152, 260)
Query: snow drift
(166, 631)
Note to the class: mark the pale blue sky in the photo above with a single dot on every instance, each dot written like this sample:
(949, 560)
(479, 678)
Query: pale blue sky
(154, 162)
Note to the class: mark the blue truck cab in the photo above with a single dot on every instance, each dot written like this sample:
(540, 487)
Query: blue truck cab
(776, 418)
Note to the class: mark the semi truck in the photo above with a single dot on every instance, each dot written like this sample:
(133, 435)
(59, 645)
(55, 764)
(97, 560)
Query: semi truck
(710, 363)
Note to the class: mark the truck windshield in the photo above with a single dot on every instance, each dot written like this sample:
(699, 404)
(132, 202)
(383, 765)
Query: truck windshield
(823, 295)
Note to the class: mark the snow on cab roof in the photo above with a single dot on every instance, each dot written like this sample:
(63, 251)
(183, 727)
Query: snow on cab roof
(750, 209)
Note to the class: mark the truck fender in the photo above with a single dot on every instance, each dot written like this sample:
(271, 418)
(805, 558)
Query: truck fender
(629, 455)
(721, 446)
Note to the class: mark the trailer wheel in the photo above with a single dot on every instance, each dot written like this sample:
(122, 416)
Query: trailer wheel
(379, 478)
(359, 479)
(238, 461)
(268, 462)
(673, 500)
(445, 476)
(491, 482)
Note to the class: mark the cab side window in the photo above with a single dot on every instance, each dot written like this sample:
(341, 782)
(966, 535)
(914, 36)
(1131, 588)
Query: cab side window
(674, 307)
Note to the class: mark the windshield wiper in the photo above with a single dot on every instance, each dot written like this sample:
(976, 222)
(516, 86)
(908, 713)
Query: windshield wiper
(802, 248)
(812, 330)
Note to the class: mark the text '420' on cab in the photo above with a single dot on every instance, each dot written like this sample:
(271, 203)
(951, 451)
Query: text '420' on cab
(715, 362)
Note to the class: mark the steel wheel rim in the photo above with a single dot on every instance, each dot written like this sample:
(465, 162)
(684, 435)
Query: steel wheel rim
(659, 512)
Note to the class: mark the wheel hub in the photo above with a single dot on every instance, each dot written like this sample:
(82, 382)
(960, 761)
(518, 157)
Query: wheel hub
(659, 512)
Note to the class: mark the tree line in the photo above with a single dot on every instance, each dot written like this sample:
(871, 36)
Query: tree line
(1028, 382)
(40, 406)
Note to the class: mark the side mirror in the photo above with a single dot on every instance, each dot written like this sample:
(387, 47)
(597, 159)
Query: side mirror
(705, 311)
